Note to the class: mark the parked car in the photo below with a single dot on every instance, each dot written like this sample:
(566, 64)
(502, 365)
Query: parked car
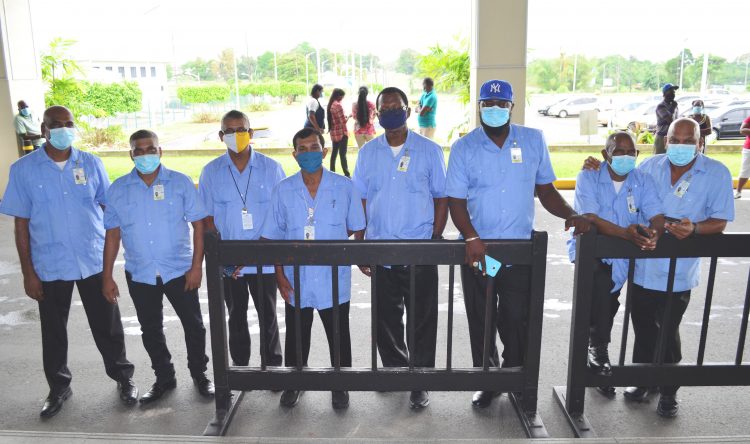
(610, 117)
(644, 114)
(728, 120)
(706, 110)
(573, 106)
(545, 108)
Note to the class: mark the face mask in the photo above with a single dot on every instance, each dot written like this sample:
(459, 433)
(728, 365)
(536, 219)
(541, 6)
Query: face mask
(147, 163)
(62, 138)
(25, 112)
(495, 116)
(697, 110)
(310, 161)
(680, 154)
(392, 119)
(622, 165)
(237, 142)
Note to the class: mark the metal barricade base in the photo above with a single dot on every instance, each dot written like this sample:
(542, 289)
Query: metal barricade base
(579, 423)
(219, 425)
(531, 421)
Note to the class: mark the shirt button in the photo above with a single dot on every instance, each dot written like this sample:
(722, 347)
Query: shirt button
(151, 242)
(149, 224)
(503, 191)
(65, 192)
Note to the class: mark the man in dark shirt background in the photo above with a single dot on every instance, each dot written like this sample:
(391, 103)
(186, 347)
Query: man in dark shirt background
(666, 112)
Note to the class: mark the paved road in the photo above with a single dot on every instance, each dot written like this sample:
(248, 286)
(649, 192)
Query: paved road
(94, 406)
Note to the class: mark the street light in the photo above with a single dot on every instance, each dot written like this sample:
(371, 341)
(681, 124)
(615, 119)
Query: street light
(307, 70)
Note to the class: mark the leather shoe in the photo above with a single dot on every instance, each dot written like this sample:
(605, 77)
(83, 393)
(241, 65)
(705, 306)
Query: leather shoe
(638, 394)
(54, 402)
(598, 359)
(128, 391)
(668, 406)
(204, 385)
(483, 399)
(340, 399)
(607, 391)
(419, 399)
(158, 390)
(290, 398)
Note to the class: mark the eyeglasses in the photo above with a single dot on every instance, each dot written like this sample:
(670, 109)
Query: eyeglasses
(235, 130)
(385, 110)
(491, 103)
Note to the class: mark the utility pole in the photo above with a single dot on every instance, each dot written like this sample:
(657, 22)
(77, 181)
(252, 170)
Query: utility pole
(682, 64)
(575, 72)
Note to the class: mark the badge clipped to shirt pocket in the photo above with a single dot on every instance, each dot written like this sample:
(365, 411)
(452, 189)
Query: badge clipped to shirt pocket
(79, 176)
(159, 192)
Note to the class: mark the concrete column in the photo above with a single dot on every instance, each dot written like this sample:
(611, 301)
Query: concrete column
(20, 77)
(498, 50)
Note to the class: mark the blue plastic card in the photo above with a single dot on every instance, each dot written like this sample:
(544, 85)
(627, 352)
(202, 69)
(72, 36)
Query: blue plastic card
(493, 265)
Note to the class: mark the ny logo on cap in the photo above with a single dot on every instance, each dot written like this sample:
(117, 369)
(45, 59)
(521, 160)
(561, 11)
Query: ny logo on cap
(495, 88)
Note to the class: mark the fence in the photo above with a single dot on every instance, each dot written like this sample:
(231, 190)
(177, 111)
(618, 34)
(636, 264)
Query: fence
(520, 382)
(591, 248)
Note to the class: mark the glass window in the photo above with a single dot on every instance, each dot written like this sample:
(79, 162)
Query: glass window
(133, 72)
(153, 71)
(109, 68)
(143, 71)
(121, 70)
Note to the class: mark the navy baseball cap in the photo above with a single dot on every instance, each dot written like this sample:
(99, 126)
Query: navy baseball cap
(667, 87)
(496, 90)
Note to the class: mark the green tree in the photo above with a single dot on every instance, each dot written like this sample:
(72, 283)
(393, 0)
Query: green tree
(56, 61)
(448, 67)
(407, 61)
(200, 69)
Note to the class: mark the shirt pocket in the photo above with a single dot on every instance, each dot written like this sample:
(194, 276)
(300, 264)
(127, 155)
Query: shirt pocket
(330, 210)
(43, 193)
(127, 214)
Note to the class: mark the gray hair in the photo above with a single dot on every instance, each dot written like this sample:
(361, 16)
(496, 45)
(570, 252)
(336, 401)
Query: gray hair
(611, 143)
(686, 120)
(143, 134)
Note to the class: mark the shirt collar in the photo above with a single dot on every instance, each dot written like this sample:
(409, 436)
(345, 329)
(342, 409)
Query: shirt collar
(75, 155)
(698, 166)
(253, 162)
(384, 140)
(299, 181)
(490, 145)
(164, 175)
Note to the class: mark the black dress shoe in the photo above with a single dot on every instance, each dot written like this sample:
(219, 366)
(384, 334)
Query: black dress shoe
(483, 399)
(290, 398)
(607, 391)
(598, 359)
(638, 394)
(340, 399)
(204, 385)
(54, 402)
(668, 406)
(419, 399)
(128, 391)
(158, 390)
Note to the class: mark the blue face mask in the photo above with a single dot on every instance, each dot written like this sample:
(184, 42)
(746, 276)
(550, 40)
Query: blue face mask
(697, 110)
(680, 154)
(495, 116)
(392, 119)
(147, 163)
(622, 165)
(310, 161)
(62, 138)
(25, 112)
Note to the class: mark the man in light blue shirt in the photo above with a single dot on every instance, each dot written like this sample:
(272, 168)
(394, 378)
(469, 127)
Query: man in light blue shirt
(621, 202)
(56, 196)
(314, 204)
(236, 192)
(400, 177)
(493, 174)
(149, 209)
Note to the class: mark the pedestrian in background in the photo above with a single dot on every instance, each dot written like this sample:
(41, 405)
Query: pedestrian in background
(337, 128)
(363, 112)
(427, 109)
(704, 122)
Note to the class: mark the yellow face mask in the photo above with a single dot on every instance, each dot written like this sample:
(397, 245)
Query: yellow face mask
(237, 142)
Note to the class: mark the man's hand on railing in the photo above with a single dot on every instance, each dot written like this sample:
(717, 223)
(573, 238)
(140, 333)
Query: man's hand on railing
(365, 269)
(591, 163)
(635, 234)
(475, 252)
(580, 223)
(682, 229)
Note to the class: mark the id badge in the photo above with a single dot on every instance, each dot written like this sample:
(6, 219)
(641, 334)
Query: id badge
(79, 176)
(682, 188)
(631, 204)
(403, 164)
(159, 192)
(309, 232)
(247, 220)
(515, 155)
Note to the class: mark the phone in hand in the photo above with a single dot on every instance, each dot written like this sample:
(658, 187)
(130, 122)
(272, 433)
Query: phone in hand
(493, 265)
(642, 231)
(672, 220)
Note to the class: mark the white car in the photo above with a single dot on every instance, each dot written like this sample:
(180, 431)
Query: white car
(643, 114)
(573, 106)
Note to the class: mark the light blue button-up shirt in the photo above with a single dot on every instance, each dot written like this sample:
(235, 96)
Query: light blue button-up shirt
(222, 189)
(595, 194)
(65, 218)
(155, 233)
(500, 193)
(708, 196)
(400, 204)
(336, 209)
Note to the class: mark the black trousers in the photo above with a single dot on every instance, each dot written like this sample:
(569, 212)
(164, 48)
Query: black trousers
(648, 314)
(237, 293)
(392, 291)
(326, 316)
(510, 308)
(104, 321)
(147, 300)
(604, 305)
(340, 148)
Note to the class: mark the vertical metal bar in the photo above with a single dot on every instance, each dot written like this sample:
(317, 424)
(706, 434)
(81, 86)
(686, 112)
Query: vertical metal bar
(298, 318)
(449, 340)
(336, 325)
(533, 352)
(743, 326)
(262, 317)
(217, 322)
(661, 346)
(489, 331)
(373, 317)
(707, 310)
(626, 318)
(411, 317)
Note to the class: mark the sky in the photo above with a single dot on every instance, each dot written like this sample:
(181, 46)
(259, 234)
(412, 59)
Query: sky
(177, 31)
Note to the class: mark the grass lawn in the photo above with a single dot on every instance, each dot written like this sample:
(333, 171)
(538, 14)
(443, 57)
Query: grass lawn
(566, 165)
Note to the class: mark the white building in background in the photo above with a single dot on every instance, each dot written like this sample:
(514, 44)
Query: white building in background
(151, 76)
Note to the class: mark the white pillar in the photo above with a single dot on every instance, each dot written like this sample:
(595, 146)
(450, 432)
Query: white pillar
(20, 77)
(498, 50)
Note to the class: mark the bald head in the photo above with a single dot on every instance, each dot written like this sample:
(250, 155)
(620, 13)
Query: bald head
(56, 117)
(684, 131)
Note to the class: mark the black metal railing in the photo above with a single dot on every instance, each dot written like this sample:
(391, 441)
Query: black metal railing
(520, 382)
(592, 247)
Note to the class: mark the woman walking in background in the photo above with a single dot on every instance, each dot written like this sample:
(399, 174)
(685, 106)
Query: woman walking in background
(337, 129)
(363, 112)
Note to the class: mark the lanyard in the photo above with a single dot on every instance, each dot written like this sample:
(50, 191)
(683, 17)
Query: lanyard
(247, 187)
(310, 208)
